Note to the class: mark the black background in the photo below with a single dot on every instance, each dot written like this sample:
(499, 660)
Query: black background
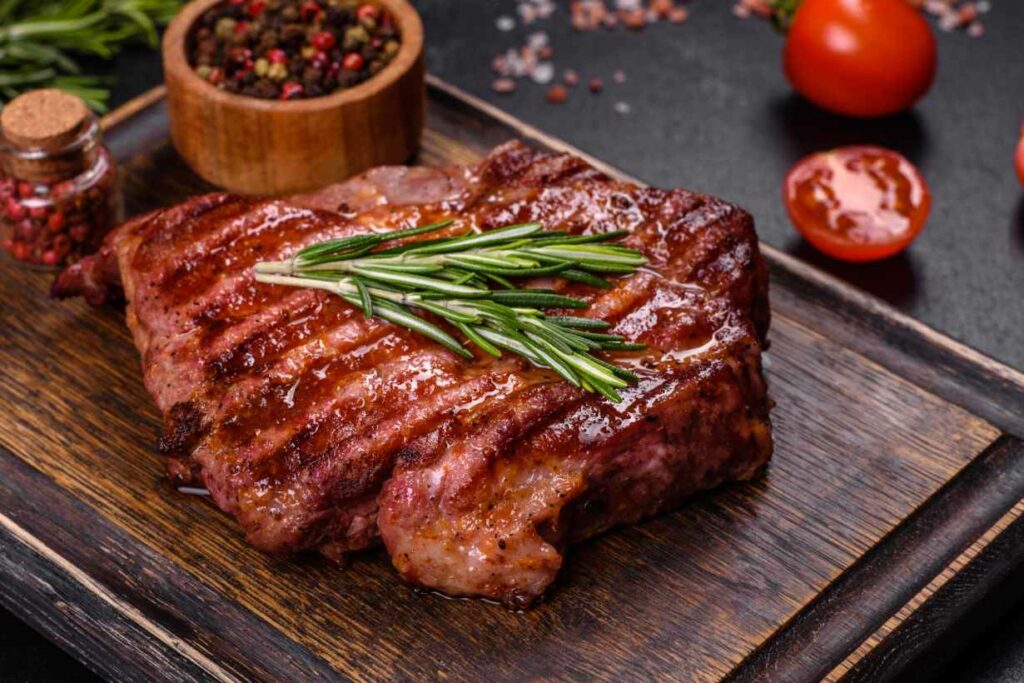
(711, 111)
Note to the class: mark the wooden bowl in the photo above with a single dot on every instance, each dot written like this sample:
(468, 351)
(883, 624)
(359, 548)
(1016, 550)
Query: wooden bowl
(269, 147)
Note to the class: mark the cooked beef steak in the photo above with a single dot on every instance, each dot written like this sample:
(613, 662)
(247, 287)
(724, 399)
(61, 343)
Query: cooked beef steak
(318, 428)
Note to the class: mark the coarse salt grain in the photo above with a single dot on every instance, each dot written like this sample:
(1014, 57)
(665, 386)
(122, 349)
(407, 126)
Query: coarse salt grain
(503, 86)
(537, 39)
(543, 73)
(622, 108)
(505, 23)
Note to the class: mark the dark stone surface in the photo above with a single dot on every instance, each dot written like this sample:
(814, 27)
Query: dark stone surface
(710, 110)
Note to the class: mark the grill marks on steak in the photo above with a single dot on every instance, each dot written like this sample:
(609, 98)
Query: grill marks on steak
(302, 417)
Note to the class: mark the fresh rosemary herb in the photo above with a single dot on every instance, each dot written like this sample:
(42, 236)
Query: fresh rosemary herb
(39, 41)
(468, 281)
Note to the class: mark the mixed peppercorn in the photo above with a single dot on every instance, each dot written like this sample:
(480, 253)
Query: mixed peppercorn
(58, 185)
(292, 49)
(54, 224)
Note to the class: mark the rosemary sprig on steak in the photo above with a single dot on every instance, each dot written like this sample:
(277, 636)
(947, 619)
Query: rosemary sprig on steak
(468, 281)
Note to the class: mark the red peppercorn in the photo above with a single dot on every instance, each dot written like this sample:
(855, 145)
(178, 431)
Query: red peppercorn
(319, 60)
(63, 189)
(323, 40)
(236, 2)
(239, 54)
(62, 244)
(310, 11)
(256, 8)
(26, 230)
(37, 212)
(216, 75)
(25, 190)
(353, 61)
(290, 90)
(14, 210)
(277, 56)
(20, 251)
(557, 94)
(241, 27)
(56, 221)
(51, 258)
(79, 232)
(367, 12)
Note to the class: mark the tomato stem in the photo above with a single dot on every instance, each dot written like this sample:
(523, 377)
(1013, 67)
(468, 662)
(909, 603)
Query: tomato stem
(783, 12)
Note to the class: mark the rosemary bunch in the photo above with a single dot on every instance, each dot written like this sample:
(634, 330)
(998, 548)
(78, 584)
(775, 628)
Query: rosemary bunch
(467, 281)
(39, 41)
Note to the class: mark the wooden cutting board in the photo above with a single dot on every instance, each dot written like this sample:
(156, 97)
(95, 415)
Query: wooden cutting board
(892, 501)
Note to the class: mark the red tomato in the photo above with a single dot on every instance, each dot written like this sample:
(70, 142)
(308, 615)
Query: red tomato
(1020, 156)
(860, 57)
(857, 203)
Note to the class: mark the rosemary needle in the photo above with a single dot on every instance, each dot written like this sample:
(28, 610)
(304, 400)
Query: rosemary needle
(467, 281)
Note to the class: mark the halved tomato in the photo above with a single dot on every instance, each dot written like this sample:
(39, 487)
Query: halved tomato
(1020, 156)
(857, 203)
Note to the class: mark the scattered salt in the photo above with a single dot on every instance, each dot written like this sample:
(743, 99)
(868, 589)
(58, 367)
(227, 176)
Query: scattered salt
(543, 73)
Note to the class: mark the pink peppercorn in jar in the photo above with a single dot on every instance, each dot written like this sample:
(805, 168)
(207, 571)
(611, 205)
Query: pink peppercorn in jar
(58, 190)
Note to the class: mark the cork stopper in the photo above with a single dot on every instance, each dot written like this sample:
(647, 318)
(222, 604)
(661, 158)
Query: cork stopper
(48, 119)
(47, 136)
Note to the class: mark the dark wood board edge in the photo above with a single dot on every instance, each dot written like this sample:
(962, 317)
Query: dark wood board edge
(889, 576)
(917, 353)
(972, 600)
(89, 623)
(123, 609)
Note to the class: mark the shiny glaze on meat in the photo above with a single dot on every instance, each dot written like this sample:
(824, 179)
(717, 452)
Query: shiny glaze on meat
(318, 428)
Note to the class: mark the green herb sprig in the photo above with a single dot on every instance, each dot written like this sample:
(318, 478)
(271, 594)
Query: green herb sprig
(467, 281)
(40, 41)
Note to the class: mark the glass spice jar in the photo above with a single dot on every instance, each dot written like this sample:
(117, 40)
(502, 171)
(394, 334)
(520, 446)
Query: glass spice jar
(58, 191)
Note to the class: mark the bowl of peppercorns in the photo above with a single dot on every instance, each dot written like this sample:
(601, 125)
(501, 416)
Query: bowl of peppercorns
(274, 97)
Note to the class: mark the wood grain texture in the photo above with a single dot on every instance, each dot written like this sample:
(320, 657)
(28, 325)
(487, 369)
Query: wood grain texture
(687, 596)
(257, 146)
(124, 609)
(859, 659)
(884, 586)
(981, 593)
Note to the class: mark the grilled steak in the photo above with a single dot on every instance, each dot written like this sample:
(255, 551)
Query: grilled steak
(319, 428)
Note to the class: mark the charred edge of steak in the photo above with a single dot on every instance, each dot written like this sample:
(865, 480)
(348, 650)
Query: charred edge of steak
(184, 471)
(183, 429)
(95, 277)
